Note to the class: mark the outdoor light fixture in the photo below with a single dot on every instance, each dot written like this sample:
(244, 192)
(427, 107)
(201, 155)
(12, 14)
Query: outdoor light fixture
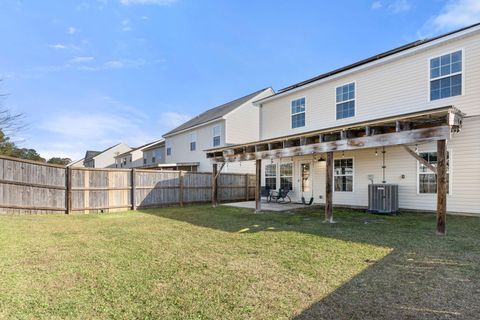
(321, 159)
(376, 152)
(343, 154)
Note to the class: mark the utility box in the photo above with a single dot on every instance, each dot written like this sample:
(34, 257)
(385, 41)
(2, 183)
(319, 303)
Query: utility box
(383, 198)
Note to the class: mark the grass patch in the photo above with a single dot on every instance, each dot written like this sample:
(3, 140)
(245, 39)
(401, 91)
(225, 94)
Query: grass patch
(227, 263)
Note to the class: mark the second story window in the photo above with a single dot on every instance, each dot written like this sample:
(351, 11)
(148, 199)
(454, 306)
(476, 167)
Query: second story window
(144, 160)
(193, 142)
(298, 113)
(345, 101)
(216, 136)
(169, 149)
(446, 76)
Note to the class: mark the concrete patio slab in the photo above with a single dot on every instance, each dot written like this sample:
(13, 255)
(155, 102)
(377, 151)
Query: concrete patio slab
(267, 206)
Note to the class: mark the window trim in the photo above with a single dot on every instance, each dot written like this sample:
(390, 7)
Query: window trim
(193, 139)
(280, 174)
(219, 126)
(449, 173)
(168, 145)
(462, 50)
(353, 174)
(276, 176)
(354, 99)
(304, 112)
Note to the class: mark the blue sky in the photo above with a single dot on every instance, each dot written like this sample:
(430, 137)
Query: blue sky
(89, 74)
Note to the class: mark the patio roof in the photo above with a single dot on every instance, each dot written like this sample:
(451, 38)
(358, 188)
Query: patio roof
(417, 127)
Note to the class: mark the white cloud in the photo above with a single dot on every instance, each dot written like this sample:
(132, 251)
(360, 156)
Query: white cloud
(80, 60)
(457, 13)
(71, 30)
(399, 6)
(173, 119)
(377, 5)
(144, 18)
(148, 2)
(114, 64)
(57, 46)
(126, 25)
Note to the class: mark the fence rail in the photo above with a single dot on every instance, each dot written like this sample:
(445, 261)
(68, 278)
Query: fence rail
(29, 187)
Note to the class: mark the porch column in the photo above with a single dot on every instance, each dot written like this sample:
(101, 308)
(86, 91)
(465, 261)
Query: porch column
(214, 185)
(329, 189)
(258, 185)
(441, 187)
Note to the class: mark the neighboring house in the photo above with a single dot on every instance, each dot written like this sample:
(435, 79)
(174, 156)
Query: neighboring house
(134, 158)
(77, 164)
(231, 123)
(105, 158)
(406, 96)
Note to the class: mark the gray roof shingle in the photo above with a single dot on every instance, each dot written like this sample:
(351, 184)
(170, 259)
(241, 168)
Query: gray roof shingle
(214, 113)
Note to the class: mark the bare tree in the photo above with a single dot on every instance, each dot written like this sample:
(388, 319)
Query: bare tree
(10, 123)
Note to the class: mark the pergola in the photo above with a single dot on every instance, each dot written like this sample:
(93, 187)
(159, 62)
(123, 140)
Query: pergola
(411, 128)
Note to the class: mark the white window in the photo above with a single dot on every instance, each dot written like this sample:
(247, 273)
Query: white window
(193, 142)
(271, 176)
(144, 160)
(345, 99)
(169, 148)
(427, 180)
(286, 173)
(216, 136)
(343, 175)
(298, 113)
(446, 76)
(158, 154)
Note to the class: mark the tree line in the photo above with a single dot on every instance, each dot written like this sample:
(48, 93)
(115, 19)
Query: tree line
(12, 123)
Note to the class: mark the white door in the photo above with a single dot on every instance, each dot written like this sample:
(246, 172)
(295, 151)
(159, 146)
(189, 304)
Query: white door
(304, 180)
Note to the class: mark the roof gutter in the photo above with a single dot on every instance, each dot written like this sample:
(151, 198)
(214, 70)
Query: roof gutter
(395, 56)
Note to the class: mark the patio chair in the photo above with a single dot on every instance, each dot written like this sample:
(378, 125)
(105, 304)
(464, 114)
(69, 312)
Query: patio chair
(280, 196)
(265, 192)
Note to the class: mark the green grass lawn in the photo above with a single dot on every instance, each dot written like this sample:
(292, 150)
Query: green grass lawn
(227, 263)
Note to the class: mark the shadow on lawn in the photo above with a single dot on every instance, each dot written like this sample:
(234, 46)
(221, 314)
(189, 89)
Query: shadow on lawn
(424, 276)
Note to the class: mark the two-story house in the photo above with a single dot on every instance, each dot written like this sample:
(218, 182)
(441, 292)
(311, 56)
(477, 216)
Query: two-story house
(134, 158)
(234, 122)
(105, 158)
(387, 118)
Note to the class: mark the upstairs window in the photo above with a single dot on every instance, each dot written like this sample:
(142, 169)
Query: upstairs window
(446, 76)
(427, 180)
(144, 160)
(158, 154)
(193, 142)
(345, 99)
(153, 159)
(216, 136)
(298, 113)
(169, 149)
(271, 176)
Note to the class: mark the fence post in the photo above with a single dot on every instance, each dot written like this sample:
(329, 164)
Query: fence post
(180, 182)
(246, 187)
(68, 193)
(134, 189)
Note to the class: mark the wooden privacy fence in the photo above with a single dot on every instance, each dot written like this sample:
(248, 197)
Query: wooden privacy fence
(33, 187)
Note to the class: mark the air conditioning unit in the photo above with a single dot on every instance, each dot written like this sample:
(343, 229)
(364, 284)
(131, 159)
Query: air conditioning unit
(383, 198)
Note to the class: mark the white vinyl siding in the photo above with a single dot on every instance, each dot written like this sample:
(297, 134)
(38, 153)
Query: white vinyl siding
(397, 86)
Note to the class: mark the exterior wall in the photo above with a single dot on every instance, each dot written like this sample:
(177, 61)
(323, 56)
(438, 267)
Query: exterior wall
(134, 159)
(106, 159)
(149, 154)
(464, 149)
(180, 144)
(396, 87)
(243, 123)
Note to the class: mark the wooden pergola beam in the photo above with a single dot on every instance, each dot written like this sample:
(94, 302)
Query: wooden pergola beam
(373, 141)
(421, 160)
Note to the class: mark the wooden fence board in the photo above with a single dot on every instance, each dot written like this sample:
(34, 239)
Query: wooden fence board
(27, 187)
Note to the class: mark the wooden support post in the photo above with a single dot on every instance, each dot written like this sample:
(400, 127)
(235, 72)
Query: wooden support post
(329, 189)
(258, 185)
(398, 126)
(68, 192)
(441, 187)
(367, 131)
(246, 187)
(180, 188)
(134, 189)
(214, 185)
